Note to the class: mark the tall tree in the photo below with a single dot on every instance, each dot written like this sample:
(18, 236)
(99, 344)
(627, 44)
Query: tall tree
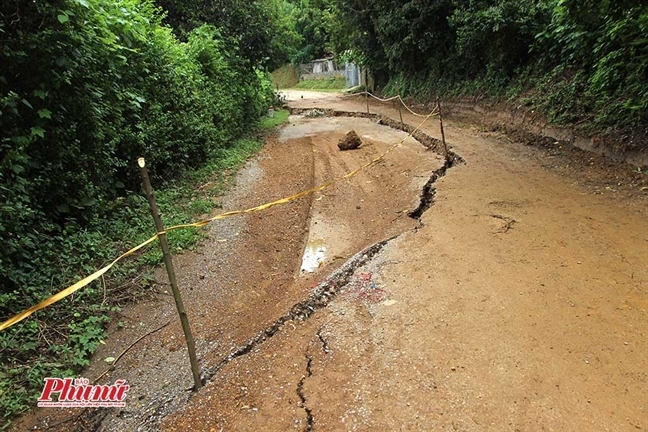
(261, 29)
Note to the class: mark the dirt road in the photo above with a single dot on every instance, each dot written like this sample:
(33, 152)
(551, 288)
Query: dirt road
(518, 301)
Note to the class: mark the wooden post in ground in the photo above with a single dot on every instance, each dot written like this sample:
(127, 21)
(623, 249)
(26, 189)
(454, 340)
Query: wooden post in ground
(400, 113)
(191, 346)
(445, 146)
(367, 89)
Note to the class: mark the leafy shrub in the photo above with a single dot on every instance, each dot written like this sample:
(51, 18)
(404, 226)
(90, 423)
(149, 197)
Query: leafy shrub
(576, 61)
(87, 86)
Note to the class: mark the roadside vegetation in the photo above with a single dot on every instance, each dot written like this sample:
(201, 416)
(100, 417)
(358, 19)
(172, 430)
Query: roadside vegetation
(582, 63)
(86, 87)
(576, 61)
(286, 76)
(332, 83)
(280, 117)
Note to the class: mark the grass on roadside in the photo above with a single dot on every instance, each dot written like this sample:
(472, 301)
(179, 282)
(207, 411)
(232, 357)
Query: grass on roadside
(286, 76)
(323, 84)
(279, 118)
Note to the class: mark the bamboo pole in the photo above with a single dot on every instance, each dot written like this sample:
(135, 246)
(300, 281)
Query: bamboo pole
(445, 146)
(367, 89)
(191, 346)
(367, 99)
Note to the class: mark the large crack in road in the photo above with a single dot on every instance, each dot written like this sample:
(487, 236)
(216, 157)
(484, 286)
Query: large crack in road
(158, 402)
(318, 298)
(302, 397)
(459, 324)
(452, 322)
(337, 280)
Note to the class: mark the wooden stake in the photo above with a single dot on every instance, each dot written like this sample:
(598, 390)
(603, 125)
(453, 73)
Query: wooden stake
(400, 113)
(191, 347)
(367, 89)
(445, 146)
(367, 99)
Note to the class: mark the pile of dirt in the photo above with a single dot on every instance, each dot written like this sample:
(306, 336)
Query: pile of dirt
(351, 141)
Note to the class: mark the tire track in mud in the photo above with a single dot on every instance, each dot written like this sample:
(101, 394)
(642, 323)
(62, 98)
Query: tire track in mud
(434, 144)
(158, 408)
(335, 282)
(323, 293)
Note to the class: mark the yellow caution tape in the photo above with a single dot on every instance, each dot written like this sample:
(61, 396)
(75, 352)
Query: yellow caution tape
(96, 275)
(402, 102)
(409, 109)
(71, 289)
(382, 100)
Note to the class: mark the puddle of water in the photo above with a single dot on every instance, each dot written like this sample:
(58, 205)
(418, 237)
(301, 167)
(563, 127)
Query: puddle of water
(314, 255)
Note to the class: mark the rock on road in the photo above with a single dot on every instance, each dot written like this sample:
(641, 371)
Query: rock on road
(520, 304)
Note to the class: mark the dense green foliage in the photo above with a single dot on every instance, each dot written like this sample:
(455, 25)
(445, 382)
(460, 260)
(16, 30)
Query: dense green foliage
(311, 20)
(87, 86)
(598, 52)
(299, 29)
(263, 30)
(575, 60)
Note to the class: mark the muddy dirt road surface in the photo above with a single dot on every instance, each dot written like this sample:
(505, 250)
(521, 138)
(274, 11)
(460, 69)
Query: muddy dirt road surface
(518, 301)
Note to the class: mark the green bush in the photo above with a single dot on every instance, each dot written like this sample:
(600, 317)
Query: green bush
(86, 87)
(599, 53)
(576, 61)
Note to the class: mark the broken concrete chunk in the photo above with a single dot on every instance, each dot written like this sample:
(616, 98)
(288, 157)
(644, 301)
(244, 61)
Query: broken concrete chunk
(351, 141)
